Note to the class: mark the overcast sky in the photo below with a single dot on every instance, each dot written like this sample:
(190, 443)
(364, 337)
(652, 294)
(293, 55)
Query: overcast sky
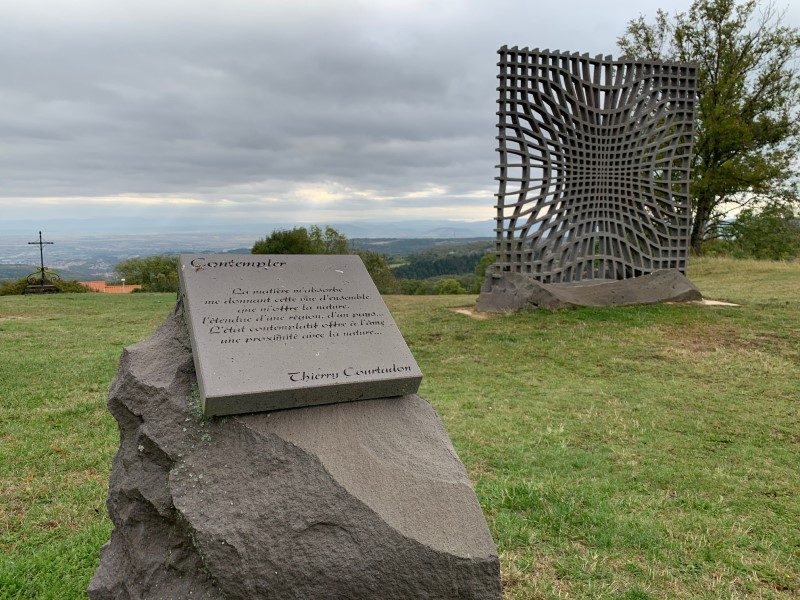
(248, 111)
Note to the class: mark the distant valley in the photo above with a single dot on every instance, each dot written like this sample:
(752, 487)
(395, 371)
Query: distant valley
(94, 257)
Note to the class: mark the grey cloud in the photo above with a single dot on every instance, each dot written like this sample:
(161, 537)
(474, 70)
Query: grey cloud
(195, 100)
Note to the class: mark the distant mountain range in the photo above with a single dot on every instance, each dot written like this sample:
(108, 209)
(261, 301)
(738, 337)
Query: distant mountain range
(84, 228)
(93, 256)
(417, 229)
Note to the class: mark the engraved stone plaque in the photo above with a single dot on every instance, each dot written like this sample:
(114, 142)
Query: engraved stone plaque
(281, 331)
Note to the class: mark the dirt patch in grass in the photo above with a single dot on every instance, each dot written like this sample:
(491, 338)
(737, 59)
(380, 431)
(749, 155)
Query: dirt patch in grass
(707, 339)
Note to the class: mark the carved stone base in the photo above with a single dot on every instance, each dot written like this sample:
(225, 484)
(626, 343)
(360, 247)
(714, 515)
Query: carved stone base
(510, 292)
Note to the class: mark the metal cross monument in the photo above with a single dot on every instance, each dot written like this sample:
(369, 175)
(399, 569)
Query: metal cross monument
(41, 245)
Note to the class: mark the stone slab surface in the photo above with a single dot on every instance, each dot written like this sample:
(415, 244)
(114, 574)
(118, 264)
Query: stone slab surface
(282, 331)
(360, 500)
(517, 291)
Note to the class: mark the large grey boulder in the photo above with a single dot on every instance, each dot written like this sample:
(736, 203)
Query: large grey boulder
(510, 292)
(345, 501)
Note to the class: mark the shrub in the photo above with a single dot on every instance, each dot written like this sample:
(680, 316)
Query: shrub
(416, 287)
(11, 288)
(450, 286)
(378, 268)
(772, 233)
(484, 263)
(154, 273)
(71, 286)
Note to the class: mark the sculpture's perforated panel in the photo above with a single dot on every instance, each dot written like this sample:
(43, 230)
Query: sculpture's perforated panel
(594, 165)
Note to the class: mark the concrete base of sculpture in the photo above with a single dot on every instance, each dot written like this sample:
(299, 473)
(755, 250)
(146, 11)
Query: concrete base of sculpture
(516, 291)
(361, 500)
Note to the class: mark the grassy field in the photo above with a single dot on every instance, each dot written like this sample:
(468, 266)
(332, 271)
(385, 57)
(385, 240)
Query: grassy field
(643, 452)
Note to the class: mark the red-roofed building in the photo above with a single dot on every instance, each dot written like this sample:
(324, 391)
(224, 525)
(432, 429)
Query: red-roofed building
(102, 286)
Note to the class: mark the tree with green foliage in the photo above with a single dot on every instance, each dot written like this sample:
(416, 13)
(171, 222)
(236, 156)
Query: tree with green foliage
(422, 265)
(450, 286)
(748, 92)
(333, 241)
(286, 241)
(772, 233)
(154, 273)
(483, 264)
(315, 240)
(414, 287)
(378, 268)
(302, 240)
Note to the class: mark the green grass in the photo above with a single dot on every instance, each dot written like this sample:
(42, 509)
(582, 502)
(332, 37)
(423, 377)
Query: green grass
(643, 452)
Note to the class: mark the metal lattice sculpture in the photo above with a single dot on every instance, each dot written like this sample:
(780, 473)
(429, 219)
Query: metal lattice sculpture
(594, 173)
